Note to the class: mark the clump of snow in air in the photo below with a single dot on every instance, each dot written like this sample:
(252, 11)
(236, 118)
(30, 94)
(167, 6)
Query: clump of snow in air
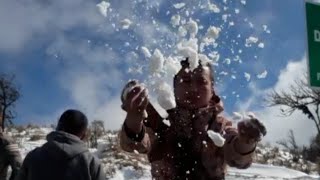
(125, 24)
(165, 96)
(156, 62)
(146, 52)
(190, 49)
(225, 17)
(179, 5)
(237, 116)
(212, 34)
(172, 66)
(244, 2)
(216, 138)
(103, 8)
(261, 45)
(227, 61)
(182, 31)
(212, 7)
(262, 75)
(265, 29)
(175, 20)
(237, 11)
(192, 27)
(251, 40)
(247, 76)
(166, 122)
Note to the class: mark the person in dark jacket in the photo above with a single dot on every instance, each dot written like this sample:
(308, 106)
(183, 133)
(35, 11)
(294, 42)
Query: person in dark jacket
(65, 156)
(185, 148)
(9, 155)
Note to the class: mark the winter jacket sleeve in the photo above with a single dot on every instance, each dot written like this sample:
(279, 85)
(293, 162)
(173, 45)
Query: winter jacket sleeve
(23, 173)
(232, 156)
(13, 156)
(96, 168)
(130, 142)
(141, 142)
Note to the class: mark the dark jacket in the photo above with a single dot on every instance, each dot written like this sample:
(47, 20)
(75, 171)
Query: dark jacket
(9, 156)
(63, 157)
(183, 150)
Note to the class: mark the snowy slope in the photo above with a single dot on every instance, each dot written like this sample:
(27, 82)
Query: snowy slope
(256, 171)
(124, 166)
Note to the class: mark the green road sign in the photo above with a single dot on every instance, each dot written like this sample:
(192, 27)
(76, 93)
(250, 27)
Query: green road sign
(313, 31)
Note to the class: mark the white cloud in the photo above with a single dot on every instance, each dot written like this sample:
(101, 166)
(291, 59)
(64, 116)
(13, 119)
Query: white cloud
(278, 125)
(35, 18)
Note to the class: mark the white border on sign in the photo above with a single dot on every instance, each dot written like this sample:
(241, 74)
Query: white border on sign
(306, 41)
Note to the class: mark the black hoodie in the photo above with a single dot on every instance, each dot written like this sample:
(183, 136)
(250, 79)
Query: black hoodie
(63, 157)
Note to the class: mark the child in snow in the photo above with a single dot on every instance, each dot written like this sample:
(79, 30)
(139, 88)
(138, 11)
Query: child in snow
(185, 148)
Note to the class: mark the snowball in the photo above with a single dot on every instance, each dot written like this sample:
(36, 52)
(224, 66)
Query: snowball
(157, 60)
(192, 27)
(172, 66)
(136, 152)
(192, 55)
(237, 11)
(217, 139)
(213, 32)
(175, 20)
(247, 76)
(128, 89)
(261, 45)
(251, 40)
(166, 122)
(125, 24)
(212, 7)
(165, 96)
(146, 52)
(244, 2)
(262, 75)
(227, 61)
(179, 5)
(223, 73)
(225, 17)
(237, 116)
(103, 8)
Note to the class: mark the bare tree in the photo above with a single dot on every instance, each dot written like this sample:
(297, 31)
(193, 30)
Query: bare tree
(96, 130)
(9, 94)
(291, 145)
(299, 97)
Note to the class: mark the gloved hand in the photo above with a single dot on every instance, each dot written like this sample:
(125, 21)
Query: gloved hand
(251, 130)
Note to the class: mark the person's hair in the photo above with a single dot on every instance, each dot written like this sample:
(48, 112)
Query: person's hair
(73, 122)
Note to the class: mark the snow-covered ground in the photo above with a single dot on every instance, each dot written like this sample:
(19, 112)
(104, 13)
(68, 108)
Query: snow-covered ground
(124, 166)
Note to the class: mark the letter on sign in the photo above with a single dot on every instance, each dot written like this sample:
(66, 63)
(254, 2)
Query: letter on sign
(316, 36)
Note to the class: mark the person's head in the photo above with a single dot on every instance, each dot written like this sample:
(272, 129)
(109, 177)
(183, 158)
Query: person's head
(194, 89)
(73, 122)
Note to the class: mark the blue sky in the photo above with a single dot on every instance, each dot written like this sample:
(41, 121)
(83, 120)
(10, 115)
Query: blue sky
(68, 55)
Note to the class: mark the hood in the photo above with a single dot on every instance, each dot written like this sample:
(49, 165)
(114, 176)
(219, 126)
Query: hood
(64, 145)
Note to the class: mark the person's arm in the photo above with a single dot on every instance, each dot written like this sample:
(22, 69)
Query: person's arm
(134, 134)
(97, 172)
(130, 140)
(237, 153)
(23, 172)
(11, 151)
(241, 143)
